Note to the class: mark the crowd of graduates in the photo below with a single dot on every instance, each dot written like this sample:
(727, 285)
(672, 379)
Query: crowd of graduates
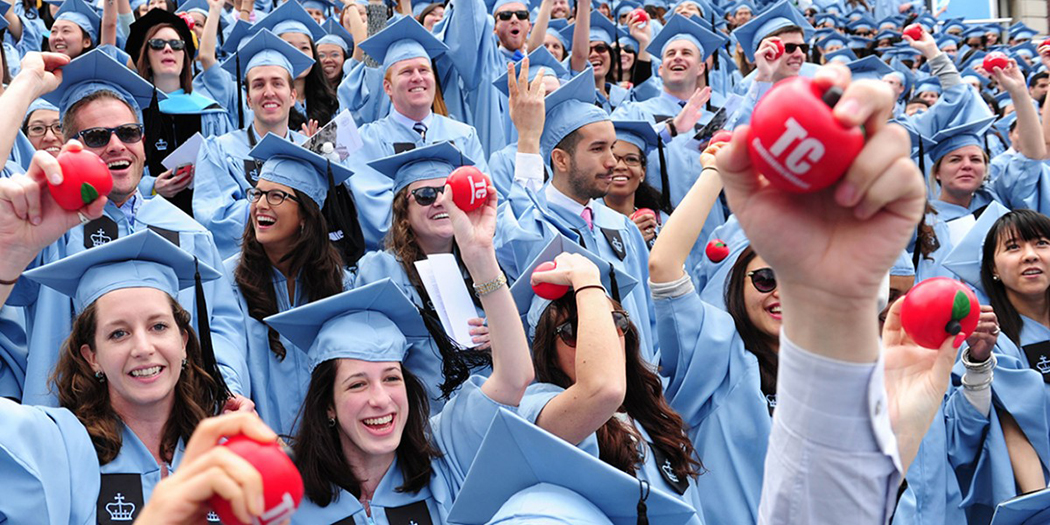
(725, 353)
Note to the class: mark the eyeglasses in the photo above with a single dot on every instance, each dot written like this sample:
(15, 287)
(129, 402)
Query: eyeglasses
(159, 43)
(506, 15)
(763, 279)
(39, 130)
(790, 48)
(99, 137)
(426, 195)
(567, 330)
(273, 197)
(632, 161)
(600, 48)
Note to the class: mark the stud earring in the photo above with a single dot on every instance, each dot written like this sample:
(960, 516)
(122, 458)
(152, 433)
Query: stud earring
(995, 277)
(100, 376)
(331, 422)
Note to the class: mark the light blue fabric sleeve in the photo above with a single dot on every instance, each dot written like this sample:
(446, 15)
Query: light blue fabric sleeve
(30, 41)
(361, 93)
(12, 352)
(219, 85)
(537, 395)
(48, 467)
(219, 201)
(1024, 183)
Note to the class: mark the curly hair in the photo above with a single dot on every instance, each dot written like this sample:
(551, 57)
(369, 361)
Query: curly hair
(196, 392)
(644, 402)
(311, 249)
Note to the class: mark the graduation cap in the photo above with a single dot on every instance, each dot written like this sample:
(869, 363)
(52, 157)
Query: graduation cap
(890, 22)
(96, 71)
(869, 67)
(954, 23)
(602, 30)
(1003, 100)
(568, 109)
(928, 21)
(832, 18)
(681, 28)
(379, 317)
(929, 84)
(968, 74)
(888, 34)
(81, 14)
(265, 48)
(735, 7)
(539, 60)
(529, 4)
(781, 15)
(1026, 49)
(844, 55)
(973, 31)
(859, 42)
(524, 474)
(905, 75)
(830, 6)
(1024, 33)
(140, 260)
(193, 6)
(946, 39)
(959, 118)
(560, 35)
(143, 259)
(965, 257)
(297, 167)
(1028, 509)
(1003, 126)
(337, 35)
(324, 6)
(857, 13)
(637, 132)
(617, 283)
(39, 104)
(290, 17)
(429, 162)
(863, 23)
(240, 32)
(403, 40)
(141, 27)
(623, 7)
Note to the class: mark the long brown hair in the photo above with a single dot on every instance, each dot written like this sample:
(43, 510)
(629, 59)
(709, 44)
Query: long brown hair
(146, 72)
(254, 271)
(1024, 225)
(756, 342)
(644, 401)
(319, 452)
(196, 392)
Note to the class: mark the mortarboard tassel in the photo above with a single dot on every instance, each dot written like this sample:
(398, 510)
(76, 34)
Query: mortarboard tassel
(204, 334)
(240, 95)
(665, 190)
(340, 212)
(613, 284)
(643, 494)
(922, 158)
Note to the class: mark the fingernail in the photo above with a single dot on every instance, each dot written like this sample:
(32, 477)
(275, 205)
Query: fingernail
(260, 504)
(848, 108)
(958, 341)
(846, 193)
(35, 221)
(55, 177)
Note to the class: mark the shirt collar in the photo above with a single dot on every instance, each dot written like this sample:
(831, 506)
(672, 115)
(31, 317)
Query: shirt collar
(559, 199)
(677, 101)
(131, 207)
(407, 122)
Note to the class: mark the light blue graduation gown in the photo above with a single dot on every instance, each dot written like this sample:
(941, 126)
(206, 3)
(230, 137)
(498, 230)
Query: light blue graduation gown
(276, 386)
(424, 358)
(457, 432)
(215, 120)
(714, 384)
(49, 313)
(221, 86)
(12, 351)
(63, 482)
(220, 202)
(527, 222)
(999, 163)
(386, 137)
(539, 394)
(932, 265)
(361, 92)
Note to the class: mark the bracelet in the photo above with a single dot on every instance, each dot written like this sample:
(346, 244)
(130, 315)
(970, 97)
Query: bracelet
(671, 129)
(977, 386)
(582, 288)
(483, 289)
(988, 364)
(11, 282)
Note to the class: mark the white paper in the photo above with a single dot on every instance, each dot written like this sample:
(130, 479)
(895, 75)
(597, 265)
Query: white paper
(449, 295)
(184, 154)
(338, 139)
(959, 227)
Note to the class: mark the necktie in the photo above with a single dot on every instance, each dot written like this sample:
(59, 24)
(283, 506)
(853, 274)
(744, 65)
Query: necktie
(588, 215)
(420, 128)
(681, 103)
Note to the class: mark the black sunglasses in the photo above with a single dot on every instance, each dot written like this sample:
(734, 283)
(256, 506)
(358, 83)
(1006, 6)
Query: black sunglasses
(426, 195)
(567, 330)
(99, 137)
(763, 279)
(506, 15)
(159, 43)
(600, 48)
(790, 48)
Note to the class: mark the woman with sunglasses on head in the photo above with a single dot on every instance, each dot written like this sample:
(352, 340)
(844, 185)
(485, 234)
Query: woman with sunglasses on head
(161, 46)
(593, 388)
(421, 227)
(286, 260)
(367, 447)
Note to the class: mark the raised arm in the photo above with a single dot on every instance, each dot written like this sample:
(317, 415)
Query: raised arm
(667, 258)
(352, 22)
(512, 369)
(581, 38)
(210, 35)
(39, 75)
(539, 27)
(1031, 142)
(109, 23)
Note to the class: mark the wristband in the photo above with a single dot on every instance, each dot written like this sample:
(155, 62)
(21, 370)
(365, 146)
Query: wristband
(483, 289)
(582, 288)
(671, 129)
(9, 283)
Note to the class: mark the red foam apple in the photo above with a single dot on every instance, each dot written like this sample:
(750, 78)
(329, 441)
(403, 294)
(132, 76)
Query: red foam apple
(282, 484)
(796, 142)
(780, 48)
(722, 136)
(85, 178)
(1043, 43)
(717, 250)
(995, 59)
(548, 291)
(937, 308)
(469, 187)
(640, 14)
(642, 211)
(915, 31)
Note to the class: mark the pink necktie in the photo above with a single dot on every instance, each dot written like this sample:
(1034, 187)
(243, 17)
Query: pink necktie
(587, 215)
